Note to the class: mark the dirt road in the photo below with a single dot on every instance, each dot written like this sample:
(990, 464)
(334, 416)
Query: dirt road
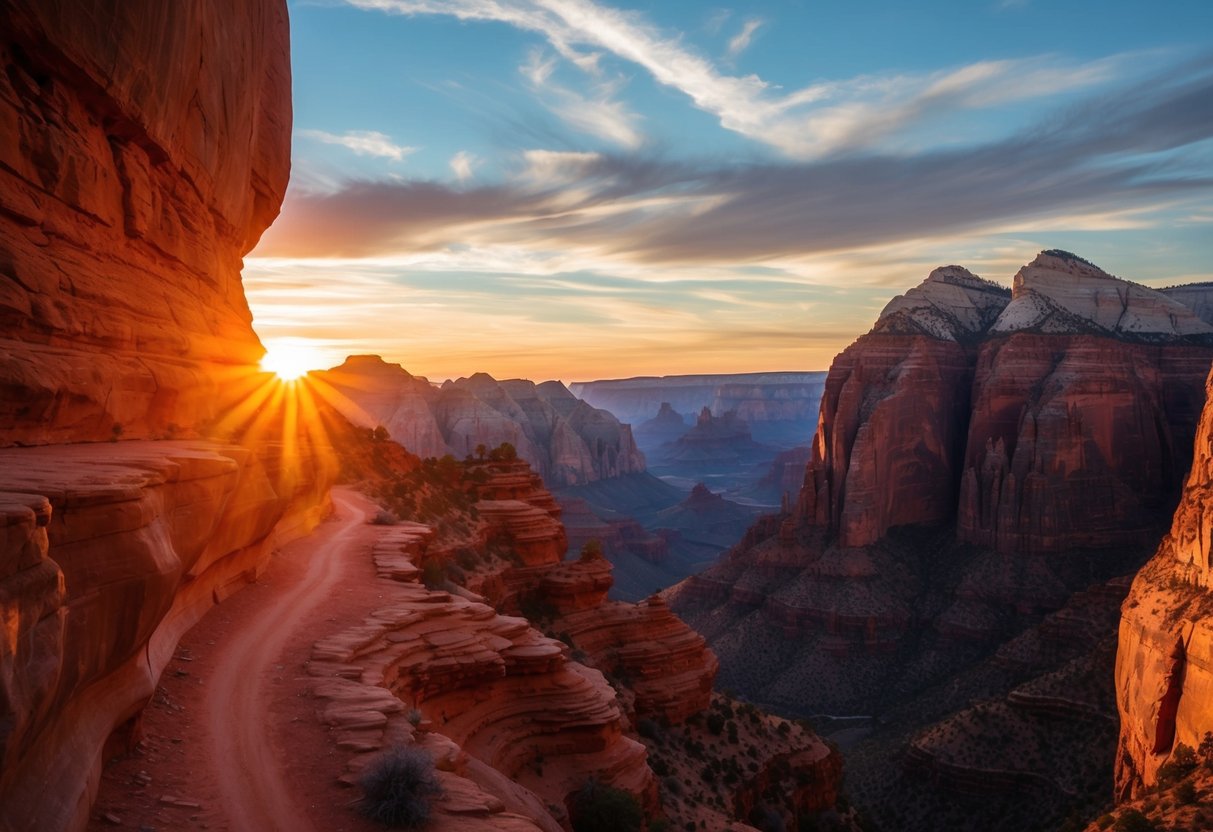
(250, 771)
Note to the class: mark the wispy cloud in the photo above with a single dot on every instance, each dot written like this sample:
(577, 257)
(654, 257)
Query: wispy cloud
(600, 114)
(462, 165)
(364, 143)
(816, 120)
(741, 41)
(1098, 164)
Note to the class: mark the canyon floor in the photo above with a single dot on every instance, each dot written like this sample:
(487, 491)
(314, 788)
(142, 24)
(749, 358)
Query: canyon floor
(231, 740)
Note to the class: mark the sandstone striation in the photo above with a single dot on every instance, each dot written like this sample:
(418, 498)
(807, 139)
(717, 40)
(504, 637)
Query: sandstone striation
(567, 441)
(111, 551)
(973, 469)
(1164, 684)
(124, 213)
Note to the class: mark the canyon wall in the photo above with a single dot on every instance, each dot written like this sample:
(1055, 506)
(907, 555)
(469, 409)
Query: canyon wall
(1164, 665)
(568, 441)
(124, 213)
(980, 455)
(144, 147)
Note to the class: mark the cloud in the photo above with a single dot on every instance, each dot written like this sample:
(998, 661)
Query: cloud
(741, 41)
(462, 164)
(601, 114)
(1099, 163)
(817, 120)
(364, 143)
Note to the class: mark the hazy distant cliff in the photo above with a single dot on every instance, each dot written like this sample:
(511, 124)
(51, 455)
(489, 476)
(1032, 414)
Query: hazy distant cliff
(566, 440)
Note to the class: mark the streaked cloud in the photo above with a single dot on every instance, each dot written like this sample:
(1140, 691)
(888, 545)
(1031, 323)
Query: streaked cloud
(1105, 160)
(364, 143)
(817, 120)
(600, 113)
(741, 41)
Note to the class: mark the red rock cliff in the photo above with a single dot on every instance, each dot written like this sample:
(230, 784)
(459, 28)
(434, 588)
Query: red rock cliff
(1164, 665)
(144, 147)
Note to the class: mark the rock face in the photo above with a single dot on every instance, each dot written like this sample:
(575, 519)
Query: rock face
(143, 150)
(1164, 681)
(973, 466)
(667, 426)
(567, 441)
(110, 552)
(124, 213)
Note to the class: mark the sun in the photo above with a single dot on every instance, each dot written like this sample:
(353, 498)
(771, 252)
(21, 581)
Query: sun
(291, 359)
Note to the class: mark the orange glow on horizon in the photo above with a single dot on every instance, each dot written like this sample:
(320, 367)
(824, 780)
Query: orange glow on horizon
(292, 358)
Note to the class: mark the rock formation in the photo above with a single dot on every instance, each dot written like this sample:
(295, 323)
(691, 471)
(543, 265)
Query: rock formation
(979, 458)
(758, 397)
(567, 441)
(124, 214)
(667, 426)
(1164, 685)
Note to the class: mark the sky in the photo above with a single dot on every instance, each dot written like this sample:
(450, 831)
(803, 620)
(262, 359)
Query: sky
(575, 189)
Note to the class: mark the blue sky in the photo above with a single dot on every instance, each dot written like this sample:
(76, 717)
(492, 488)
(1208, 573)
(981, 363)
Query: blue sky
(574, 189)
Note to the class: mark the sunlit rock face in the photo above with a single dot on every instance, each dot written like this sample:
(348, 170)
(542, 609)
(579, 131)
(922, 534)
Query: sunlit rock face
(144, 147)
(143, 150)
(566, 440)
(1164, 665)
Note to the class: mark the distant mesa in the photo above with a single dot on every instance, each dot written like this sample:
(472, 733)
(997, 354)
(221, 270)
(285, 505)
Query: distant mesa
(667, 426)
(780, 407)
(568, 441)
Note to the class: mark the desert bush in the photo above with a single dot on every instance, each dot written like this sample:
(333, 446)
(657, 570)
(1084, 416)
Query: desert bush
(1185, 792)
(1133, 821)
(397, 787)
(649, 728)
(384, 518)
(599, 808)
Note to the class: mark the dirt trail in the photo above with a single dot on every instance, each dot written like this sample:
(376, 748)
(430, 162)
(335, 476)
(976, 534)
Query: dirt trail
(251, 778)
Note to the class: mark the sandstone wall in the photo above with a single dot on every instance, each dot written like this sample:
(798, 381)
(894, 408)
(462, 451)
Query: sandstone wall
(1164, 665)
(144, 147)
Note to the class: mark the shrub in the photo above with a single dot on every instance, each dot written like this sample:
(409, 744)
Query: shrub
(397, 787)
(1133, 821)
(599, 808)
(1185, 792)
(384, 518)
(592, 550)
(433, 575)
(1182, 761)
(649, 729)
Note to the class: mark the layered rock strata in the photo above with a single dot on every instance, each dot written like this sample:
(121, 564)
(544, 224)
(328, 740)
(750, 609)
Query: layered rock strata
(124, 212)
(1164, 664)
(566, 440)
(110, 552)
(1019, 454)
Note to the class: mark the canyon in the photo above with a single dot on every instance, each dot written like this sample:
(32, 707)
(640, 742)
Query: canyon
(567, 441)
(151, 474)
(984, 460)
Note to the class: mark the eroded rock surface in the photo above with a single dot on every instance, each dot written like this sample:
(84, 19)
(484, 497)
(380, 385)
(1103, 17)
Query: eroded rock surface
(568, 441)
(124, 211)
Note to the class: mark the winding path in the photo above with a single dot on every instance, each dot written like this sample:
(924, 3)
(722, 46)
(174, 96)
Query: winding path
(255, 794)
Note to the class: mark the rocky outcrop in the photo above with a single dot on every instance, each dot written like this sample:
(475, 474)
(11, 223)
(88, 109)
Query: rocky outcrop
(144, 148)
(666, 665)
(970, 468)
(489, 686)
(124, 212)
(1164, 684)
(667, 426)
(568, 442)
(110, 552)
